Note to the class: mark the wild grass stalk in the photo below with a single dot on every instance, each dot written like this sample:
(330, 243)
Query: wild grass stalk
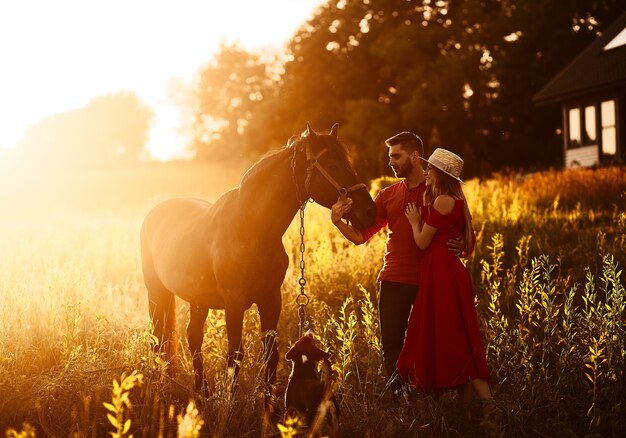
(120, 404)
(547, 274)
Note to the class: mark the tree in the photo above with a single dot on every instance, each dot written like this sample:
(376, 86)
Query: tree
(110, 129)
(230, 89)
(467, 68)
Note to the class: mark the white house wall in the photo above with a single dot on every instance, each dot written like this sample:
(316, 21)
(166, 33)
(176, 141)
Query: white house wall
(582, 157)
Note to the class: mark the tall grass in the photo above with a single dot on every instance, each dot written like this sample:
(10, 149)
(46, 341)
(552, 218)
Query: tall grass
(548, 276)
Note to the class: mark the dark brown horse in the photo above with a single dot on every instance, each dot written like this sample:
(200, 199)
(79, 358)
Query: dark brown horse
(230, 254)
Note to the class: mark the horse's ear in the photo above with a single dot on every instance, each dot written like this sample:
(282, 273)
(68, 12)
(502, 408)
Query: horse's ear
(333, 130)
(291, 353)
(309, 130)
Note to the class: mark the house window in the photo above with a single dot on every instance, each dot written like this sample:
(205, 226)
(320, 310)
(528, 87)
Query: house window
(609, 140)
(590, 125)
(575, 138)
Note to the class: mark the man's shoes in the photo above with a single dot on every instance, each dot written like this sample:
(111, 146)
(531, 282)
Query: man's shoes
(405, 394)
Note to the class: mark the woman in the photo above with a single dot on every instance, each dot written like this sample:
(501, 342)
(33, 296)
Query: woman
(443, 347)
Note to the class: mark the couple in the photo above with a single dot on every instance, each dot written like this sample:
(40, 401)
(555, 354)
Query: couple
(429, 224)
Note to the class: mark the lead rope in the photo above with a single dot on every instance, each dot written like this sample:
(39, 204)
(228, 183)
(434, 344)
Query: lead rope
(302, 299)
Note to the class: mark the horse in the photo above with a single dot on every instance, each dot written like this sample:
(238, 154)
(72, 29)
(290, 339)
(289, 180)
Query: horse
(230, 255)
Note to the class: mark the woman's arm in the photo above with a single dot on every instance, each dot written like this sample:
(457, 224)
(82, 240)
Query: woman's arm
(423, 233)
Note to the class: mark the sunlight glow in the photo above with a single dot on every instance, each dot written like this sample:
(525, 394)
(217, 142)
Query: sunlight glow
(514, 36)
(56, 56)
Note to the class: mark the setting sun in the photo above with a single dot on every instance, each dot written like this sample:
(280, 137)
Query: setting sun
(56, 56)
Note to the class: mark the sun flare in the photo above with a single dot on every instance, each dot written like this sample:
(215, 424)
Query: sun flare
(64, 53)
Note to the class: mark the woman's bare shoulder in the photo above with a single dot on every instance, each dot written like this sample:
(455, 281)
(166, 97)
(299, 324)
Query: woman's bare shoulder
(444, 204)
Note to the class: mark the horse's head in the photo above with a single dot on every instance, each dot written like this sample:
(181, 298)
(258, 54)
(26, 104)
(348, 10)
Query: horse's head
(323, 172)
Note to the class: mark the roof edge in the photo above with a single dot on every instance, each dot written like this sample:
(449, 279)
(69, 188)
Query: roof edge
(601, 40)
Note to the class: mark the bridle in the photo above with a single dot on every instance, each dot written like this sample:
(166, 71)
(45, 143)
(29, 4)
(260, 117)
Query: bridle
(312, 164)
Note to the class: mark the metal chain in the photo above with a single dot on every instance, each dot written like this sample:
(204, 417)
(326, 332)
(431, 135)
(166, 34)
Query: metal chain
(302, 299)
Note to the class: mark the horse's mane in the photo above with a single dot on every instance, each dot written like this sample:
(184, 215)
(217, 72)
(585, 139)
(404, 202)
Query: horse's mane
(268, 160)
(274, 156)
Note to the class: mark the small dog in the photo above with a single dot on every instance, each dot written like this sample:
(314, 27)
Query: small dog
(308, 394)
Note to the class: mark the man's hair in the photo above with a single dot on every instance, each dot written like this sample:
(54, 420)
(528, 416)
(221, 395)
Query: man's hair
(410, 142)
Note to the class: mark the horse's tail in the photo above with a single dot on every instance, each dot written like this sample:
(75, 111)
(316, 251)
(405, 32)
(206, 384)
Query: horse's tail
(162, 306)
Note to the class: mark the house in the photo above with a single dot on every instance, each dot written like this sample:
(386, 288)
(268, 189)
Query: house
(591, 90)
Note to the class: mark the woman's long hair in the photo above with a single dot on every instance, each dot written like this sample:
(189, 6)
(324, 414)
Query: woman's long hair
(447, 185)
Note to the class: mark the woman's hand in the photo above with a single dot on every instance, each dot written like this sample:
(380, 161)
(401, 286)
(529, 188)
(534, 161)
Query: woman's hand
(339, 209)
(412, 213)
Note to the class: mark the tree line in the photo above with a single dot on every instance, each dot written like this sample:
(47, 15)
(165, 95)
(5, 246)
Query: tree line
(109, 130)
(460, 73)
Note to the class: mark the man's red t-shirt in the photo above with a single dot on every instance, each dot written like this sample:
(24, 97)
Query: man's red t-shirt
(403, 259)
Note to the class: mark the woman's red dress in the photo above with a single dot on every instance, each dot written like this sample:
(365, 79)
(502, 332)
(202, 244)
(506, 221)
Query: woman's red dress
(443, 347)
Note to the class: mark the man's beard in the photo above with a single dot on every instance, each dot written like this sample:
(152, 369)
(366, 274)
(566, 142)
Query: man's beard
(404, 170)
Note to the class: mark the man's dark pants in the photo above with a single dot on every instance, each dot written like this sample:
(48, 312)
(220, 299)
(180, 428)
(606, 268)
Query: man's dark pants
(394, 307)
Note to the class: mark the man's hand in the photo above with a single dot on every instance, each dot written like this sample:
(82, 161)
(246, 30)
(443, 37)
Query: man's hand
(339, 209)
(458, 246)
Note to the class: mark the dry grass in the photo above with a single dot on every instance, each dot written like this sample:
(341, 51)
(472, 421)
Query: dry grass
(547, 272)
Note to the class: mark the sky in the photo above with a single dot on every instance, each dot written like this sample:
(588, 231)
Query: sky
(55, 55)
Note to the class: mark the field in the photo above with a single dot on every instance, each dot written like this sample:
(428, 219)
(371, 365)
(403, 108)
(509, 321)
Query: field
(75, 334)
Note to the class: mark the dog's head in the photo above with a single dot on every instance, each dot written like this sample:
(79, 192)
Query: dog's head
(305, 350)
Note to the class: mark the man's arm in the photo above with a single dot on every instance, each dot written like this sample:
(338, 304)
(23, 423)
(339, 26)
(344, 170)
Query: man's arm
(341, 207)
(350, 233)
(460, 247)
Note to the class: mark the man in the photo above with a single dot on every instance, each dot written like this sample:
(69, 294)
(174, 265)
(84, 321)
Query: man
(399, 276)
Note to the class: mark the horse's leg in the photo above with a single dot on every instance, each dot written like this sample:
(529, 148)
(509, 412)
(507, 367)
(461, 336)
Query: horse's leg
(269, 312)
(234, 326)
(195, 336)
(162, 308)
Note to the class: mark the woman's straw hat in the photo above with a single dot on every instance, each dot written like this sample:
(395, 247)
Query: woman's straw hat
(446, 161)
